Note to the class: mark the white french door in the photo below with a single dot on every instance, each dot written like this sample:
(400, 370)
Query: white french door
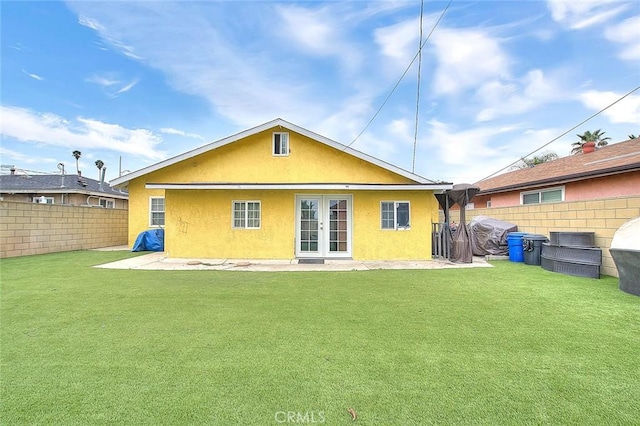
(323, 225)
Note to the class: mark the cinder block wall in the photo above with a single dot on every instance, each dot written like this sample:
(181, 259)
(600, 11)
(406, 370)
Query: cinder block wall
(603, 216)
(29, 228)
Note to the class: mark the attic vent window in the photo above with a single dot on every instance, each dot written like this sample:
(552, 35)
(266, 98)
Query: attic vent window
(280, 144)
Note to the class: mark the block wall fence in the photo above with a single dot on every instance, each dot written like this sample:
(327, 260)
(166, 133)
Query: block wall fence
(30, 228)
(602, 216)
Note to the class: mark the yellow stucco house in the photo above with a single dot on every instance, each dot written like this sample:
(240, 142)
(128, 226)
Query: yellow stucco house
(279, 191)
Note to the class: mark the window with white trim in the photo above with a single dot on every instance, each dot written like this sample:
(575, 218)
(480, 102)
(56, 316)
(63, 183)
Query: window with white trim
(156, 211)
(394, 215)
(549, 195)
(43, 200)
(280, 144)
(246, 214)
(107, 203)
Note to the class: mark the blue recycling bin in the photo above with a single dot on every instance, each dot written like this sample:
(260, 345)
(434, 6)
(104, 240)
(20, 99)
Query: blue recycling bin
(514, 241)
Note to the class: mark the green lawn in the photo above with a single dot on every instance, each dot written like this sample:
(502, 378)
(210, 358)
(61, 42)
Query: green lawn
(512, 344)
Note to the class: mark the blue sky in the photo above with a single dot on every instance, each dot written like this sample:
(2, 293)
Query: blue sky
(144, 81)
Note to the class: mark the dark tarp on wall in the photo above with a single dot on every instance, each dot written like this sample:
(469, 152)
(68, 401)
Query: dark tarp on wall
(489, 236)
(152, 240)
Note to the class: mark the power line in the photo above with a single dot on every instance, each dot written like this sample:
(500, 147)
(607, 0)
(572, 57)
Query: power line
(403, 74)
(563, 134)
(415, 134)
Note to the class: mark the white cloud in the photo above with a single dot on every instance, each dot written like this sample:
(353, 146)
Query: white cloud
(20, 158)
(471, 154)
(112, 84)
(625, 111)
(83, 133)
(466, 59)
(399, 42)
(584, 13)
(34, 76)
(626, 33)
(516, 97)
(172, 131)
(103, 81)
(318, 32)
(199, 58)
(93, 23)
(127, 86)
(89, 22)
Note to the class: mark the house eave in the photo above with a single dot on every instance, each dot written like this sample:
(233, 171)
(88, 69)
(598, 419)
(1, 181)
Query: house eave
(561, 179)
(301, 186)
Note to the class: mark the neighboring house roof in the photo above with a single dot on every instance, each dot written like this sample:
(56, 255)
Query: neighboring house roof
(122, 181)
(57, 184)
(612, 159)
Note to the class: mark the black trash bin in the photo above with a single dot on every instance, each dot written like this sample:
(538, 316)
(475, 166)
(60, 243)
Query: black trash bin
(532, 248)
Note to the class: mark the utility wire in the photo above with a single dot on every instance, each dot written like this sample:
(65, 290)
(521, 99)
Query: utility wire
(403, 74)
(415, 134)
(563, 134)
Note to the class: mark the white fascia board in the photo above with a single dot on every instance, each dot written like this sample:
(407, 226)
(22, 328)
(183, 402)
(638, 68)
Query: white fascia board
(301, 186)
(261, 128)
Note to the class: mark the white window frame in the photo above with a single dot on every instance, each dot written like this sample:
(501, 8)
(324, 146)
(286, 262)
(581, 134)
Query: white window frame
(151, 212)
(49, 200)
(108, 203)
(488, 204)
(540, 192)
(245, 218)
(396, 227)
(285, 136)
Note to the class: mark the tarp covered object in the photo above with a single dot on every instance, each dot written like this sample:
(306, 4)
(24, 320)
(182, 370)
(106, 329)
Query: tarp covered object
(462, 194)
(625, 250)
(489, 236)
(152, 240)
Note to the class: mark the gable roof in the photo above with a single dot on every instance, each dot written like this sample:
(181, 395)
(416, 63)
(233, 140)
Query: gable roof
(56, 184)
(123, 180)
(616, 158)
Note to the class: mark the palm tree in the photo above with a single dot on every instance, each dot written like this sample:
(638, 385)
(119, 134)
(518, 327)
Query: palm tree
(77, 154)
(588, 136)
(99, 165)
(538, 159)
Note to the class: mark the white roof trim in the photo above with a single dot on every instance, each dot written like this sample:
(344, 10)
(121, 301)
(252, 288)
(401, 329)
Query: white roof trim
(255, 130)
(305, 186)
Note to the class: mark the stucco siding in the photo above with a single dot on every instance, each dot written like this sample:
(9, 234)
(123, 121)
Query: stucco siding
(370, 242)
(250, 160)
(603, 187)
(199, 224)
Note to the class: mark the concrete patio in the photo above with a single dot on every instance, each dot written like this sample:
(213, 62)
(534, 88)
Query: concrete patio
(159, 261)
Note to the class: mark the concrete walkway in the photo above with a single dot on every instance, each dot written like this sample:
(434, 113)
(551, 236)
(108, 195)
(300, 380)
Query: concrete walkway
(158, 261)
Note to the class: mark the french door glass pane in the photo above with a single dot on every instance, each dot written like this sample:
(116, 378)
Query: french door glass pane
(337, 221)
(309, 225)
